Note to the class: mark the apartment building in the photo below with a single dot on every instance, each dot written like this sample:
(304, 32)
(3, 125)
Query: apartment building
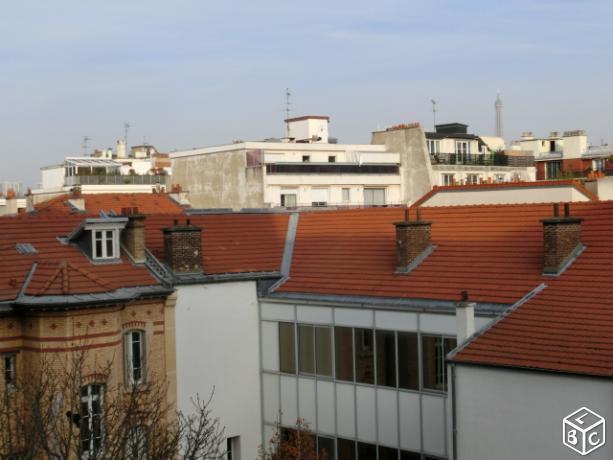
(566, 155)
(140, 170)
(459, 158)
(522, 386)
(76, 299)
(307, 168)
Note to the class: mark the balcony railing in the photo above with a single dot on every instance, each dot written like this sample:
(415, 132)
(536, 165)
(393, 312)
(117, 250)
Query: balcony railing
(480, 159)
(330, 168)
(115, 180)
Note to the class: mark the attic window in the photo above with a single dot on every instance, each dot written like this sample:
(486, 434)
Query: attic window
(105, 244)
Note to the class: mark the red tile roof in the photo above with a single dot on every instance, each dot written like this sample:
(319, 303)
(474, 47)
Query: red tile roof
(147, 203)
(231, 243)
(61, 269)
(578, 185)
(568, 326)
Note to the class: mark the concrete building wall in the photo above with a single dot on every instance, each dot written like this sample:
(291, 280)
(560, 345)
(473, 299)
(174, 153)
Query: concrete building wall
(515, 414)
(218, 347)
(416, 170)
(220, 180)
(602, 187)
(505, 195)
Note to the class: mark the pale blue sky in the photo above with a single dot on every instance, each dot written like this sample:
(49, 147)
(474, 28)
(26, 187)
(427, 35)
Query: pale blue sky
(191, 73)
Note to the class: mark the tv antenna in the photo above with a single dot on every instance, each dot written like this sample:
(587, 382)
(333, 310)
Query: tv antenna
(126, 128)
(288, 109)
(433, 112)
(84, 144)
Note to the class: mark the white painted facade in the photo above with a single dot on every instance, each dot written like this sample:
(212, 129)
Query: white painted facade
(505, 195)
(499, 419)
(217, 342)
(467, 174)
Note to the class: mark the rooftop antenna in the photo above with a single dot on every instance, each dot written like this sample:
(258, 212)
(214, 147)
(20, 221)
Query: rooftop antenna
(84, 144)
(498, 106)
(287, 109)
(433, 112)
(126, 128)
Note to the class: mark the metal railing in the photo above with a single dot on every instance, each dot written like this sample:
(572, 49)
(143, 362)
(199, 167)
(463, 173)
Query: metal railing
(480, 159)
(115, 179)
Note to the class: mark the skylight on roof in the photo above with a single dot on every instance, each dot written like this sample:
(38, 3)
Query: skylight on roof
(25, 249)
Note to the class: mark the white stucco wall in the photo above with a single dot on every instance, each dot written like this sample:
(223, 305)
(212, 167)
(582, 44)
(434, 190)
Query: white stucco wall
(511, 414)
(506, 195)
(218, 346)
(52, 177)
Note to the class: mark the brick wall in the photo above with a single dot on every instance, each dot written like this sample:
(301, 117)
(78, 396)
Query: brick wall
(412, 238)
(560, 238)
(183, 248)
(133, 237)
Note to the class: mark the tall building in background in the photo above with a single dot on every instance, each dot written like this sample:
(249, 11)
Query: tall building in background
(498, 105)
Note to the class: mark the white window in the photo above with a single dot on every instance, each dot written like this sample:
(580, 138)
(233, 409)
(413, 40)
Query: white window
(104, 244)
(462, 147)
(448, 179)
(319, 197)
(10, 372)
(346, 195)
(374, 196)
(498, 178)
(434, 146)
(472, 178)
(288, 200)
(134, 347)
(91, 420)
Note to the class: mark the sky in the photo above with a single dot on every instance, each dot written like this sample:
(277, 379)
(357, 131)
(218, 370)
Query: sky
(192, 73)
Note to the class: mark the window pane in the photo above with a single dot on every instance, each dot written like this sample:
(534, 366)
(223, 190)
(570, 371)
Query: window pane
(306, 350)
(435, 371)
(109, 244)
(387, 453)
(323, 344)
(406, 455)
(364, 362)
(346, 449)
(366, 451)
(386, 358)
(287, 348)
(408, 367)
(98, 248)
(325, 448)
(343, 347)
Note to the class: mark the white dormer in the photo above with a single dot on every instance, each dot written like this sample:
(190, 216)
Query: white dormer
(99, 238)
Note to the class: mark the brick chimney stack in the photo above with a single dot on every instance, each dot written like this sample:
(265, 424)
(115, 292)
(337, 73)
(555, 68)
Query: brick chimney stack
(183, 247)
(413, 242)
(133, 235)
(561, 240)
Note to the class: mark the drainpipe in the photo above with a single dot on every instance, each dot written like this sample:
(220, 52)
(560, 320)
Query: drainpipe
(454, 426)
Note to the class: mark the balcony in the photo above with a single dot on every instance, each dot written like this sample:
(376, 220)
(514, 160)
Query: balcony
(115, 179)
(481, 159)
(330, 168)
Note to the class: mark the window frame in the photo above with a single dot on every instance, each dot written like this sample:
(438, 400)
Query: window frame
(129, 355)
(89, 398)
(104, 241)
(440, 354)
(10, 371)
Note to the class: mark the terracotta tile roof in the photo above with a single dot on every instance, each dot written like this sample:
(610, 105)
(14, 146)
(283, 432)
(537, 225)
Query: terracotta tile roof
(60, 268)
(493, 251)
(568, 326)
(578, 185)
(147, 203)
(231, 243)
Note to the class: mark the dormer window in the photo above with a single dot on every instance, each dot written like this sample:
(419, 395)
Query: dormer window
(105, 244)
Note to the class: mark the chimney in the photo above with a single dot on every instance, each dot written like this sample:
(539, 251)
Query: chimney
(76, 199)
(413, 242)
(183, 247)
(121, 148)
(561, 240)
(465, 318)
(133, 235)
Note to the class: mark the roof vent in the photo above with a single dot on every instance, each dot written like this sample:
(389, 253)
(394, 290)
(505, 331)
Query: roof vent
(561, 240)
(26, 249)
